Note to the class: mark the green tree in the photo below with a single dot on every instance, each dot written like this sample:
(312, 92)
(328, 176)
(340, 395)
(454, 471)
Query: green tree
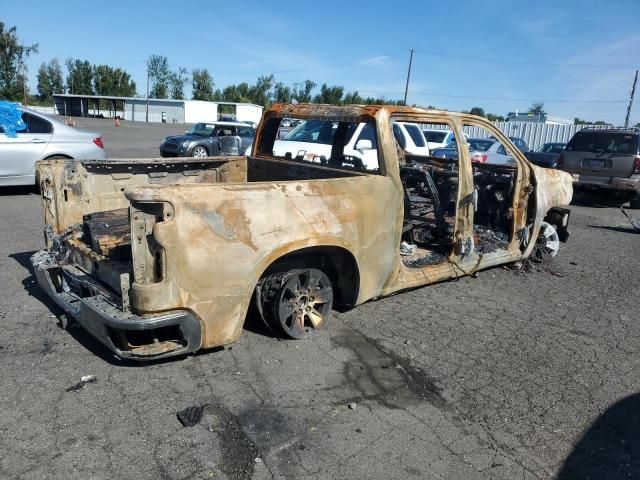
(492, 117)
(353, 98)
(329, 94)
(12, 63)
(202, 85)
(301, 92)
(159, 76)
(537, 109)
(261, 93)
(49, 80)
(79, 77)
(112, 82)
(282, 93)
(637, 125)
(177, 81)
(477, 111)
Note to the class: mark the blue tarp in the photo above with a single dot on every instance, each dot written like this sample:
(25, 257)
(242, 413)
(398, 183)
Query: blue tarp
(11, 118)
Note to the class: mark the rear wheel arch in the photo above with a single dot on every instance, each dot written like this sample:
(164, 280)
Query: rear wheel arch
(337, 263)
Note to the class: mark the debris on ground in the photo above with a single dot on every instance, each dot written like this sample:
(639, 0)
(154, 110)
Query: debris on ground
(257, 460)
(527, 266)
(407, 249)
(352, 406)
(191, 416)
(84, 380)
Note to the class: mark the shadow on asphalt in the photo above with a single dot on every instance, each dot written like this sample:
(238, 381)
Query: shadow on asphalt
(610, 448)
(21, 190)
(597, 200)
(629, 229)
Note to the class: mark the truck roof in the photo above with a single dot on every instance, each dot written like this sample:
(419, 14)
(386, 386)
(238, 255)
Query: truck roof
(336, 112)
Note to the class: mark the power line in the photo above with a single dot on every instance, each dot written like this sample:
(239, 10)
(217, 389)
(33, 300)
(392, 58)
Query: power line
(510, 99)
(521, 63)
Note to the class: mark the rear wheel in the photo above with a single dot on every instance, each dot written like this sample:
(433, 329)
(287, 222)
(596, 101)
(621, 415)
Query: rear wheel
(635, 201)
(199, 152)
(297, 302)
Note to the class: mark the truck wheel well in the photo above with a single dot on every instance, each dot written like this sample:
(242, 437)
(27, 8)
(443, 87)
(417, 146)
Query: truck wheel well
(58, 155)
(338, 263)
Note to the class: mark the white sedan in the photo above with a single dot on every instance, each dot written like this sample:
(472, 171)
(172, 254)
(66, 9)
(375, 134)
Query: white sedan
(43, 138)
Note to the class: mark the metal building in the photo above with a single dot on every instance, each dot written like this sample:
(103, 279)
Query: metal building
(159, 110)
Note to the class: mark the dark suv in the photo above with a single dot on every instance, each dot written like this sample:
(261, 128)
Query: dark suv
(209, 139)
(606, 160)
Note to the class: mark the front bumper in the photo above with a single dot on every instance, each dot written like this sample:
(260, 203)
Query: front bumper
(174, 151)
(126, 334)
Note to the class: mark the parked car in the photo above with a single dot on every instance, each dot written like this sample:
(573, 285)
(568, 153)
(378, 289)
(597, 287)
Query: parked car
(439, 138)
(482, 150)
(185, 257)
(520, 144)
(547, 155)
(410, 138)
(43, 138)
(311, 140)
(209, 139)
(606, 160)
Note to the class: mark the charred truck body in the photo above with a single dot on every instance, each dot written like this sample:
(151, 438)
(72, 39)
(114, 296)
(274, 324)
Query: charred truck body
(157, 258)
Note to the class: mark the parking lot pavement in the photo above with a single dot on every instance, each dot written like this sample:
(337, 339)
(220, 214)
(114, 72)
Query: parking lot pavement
(131, 139)
(502, 376)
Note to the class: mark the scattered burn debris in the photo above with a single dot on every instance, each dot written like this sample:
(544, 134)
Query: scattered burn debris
(488, 240)
(529, 265)
(239, 453)
(191, 416)
(430, 259)
(84, 380)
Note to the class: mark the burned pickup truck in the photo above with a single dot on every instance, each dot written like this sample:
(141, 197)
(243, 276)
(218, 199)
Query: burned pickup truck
(158, 257)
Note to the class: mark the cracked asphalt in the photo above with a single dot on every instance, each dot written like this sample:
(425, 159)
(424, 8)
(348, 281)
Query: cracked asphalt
(504, 376)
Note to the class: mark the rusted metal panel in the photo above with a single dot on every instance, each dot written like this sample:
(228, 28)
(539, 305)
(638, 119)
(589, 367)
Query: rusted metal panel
(203, 247)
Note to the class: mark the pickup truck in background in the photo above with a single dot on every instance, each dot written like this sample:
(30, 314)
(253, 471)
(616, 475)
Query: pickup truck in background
(162, 257)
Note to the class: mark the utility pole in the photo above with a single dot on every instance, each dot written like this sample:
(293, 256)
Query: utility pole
(24, 83)
(406, 88)
(147, 91)
(633, 91)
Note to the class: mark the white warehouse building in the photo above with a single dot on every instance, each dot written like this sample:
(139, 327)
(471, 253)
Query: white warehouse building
(159, 110)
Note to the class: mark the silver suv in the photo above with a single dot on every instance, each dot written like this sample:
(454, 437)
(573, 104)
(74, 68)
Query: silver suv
(605, 160)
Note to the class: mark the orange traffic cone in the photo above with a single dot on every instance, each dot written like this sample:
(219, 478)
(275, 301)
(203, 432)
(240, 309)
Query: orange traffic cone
(117, 122)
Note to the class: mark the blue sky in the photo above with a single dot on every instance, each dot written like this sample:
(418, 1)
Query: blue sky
(579, 57)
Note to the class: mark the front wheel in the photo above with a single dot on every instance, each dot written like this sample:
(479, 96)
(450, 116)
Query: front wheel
(199, 152)
(547, 243)
(297, 302)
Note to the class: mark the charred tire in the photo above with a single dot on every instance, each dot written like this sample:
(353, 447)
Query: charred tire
(635, 202)
(199, 152)
(296, 303)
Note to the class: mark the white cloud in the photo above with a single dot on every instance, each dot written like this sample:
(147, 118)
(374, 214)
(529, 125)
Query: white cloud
(379, 61)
